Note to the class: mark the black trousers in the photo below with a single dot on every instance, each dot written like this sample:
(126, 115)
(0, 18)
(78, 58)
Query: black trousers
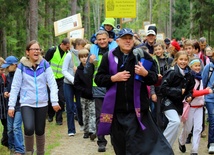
(34, 120)
(51, 112)
(4, 139)
(98, 107)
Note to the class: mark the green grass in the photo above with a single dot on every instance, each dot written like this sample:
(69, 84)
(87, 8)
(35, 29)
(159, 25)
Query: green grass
(52, 140)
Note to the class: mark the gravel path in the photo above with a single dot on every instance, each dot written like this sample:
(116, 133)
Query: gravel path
(79, 146)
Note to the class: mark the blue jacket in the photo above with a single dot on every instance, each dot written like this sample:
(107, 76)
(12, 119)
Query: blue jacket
(89, 69)
(208, 81)
(32, 84)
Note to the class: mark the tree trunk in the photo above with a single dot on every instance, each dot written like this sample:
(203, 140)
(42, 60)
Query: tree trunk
(191, 20)
(86, 17)
(73, 7)
(48, 22)
(33, 19)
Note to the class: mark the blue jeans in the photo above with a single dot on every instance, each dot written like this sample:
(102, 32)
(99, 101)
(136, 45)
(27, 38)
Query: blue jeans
(210, 109)
(69, 92)
(15, 136)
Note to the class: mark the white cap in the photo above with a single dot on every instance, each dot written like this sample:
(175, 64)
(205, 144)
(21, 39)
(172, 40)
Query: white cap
(150, 32)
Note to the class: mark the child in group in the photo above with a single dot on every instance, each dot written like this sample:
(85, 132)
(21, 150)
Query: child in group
(174, 47)
(31, 78)
(108, 26)
(177, 85)
(189, 48)
(195, 116)
(163, 64)
(3, 105)
(209, 53)
(69, 68)
(84, 85)
(14, 124)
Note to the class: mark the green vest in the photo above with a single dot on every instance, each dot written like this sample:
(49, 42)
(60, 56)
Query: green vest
(56, 64)
(96, 68)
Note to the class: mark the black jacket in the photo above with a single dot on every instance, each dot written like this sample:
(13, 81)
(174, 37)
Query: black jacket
(8, 88)
(83, 83)
(172, 84)
(125, 90)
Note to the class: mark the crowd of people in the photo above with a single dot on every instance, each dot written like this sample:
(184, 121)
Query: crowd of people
(134, 89)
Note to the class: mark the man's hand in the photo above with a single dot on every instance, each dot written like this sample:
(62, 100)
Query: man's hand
(140, 70)
(92, 58)
(121, 76)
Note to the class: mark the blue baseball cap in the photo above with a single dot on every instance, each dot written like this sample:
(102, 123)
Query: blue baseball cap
(10, 61)
(125, 31)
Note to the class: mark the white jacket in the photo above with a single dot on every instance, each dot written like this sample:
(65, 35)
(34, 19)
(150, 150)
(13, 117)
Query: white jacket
(32, 84)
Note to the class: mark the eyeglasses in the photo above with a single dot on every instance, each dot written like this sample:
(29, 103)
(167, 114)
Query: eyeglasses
(35, 49)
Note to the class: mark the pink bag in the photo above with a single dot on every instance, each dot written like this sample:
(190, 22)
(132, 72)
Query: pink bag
(186, 108)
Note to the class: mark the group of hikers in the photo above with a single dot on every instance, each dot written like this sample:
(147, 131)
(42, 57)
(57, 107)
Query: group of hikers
(137, 90)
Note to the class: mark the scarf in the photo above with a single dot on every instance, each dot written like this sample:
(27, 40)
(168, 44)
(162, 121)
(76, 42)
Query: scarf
(196, 75)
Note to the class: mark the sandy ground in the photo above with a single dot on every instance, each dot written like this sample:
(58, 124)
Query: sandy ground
(79, 146)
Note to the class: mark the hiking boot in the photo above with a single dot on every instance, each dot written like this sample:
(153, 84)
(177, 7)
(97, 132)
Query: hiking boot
(182, 148)
(101, 148)
(92, 136)
(86, 135)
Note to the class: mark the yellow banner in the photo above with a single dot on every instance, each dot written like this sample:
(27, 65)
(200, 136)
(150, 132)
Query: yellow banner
(120, 8)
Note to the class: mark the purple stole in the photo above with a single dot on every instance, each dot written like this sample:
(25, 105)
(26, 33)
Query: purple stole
(107, 111)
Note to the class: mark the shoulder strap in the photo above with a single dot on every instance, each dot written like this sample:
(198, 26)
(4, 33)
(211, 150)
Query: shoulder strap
(45, 65)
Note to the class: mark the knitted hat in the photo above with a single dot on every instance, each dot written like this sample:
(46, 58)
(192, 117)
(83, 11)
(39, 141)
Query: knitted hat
(176, 45)
(109, 21)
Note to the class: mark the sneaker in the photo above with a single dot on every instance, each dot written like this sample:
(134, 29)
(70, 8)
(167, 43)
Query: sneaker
(211, 148)
(182, 148)
(92, 136)
(101, 148)
(71, 134)
(86, 135)
(81, 128)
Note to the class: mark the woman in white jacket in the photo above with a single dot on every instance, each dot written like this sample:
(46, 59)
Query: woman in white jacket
(30, 80)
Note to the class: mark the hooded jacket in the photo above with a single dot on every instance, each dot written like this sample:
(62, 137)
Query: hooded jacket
(32, 84)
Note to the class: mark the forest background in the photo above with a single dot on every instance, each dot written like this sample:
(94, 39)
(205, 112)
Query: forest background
(25, 20)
